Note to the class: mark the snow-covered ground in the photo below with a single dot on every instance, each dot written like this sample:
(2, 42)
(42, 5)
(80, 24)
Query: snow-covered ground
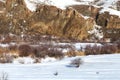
(99, 67)
(105, 4)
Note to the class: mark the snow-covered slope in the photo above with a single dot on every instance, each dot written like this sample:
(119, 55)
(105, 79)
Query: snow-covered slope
(107, 5)
(31, 4)
(100, 67)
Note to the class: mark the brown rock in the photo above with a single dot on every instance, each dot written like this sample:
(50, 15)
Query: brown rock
(68, 23)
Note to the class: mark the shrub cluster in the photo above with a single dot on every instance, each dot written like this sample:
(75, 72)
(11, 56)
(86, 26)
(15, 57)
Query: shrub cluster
(105, 49)
(40, 51)
(6, 58)
(24, 50)
(47, 50)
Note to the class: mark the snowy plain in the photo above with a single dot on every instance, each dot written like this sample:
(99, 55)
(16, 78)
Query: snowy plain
(99, 67)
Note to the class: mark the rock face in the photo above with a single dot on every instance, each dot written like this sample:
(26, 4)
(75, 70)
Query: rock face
(45, 20)
(67, 23)
(87, 10)
(16, 18)
(110, 23)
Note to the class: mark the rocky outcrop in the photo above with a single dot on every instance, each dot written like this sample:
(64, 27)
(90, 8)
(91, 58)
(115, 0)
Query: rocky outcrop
(68, 23)
(16, 18)
(87, 10)
(45, 20)
(108, 21)
(13, 20)
(103, 19)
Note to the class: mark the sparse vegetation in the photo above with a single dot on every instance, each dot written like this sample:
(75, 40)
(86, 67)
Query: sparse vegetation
(4, 76)
(76, 62)
(105, 49)
(6, 58)
(24, 50)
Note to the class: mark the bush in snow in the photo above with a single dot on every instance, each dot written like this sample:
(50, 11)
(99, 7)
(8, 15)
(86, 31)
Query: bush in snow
(24, 50)
(48, 50)
(4, 76)
(76, 62)
(105, 49)
(108, 49)
(6, 58)
(55, 53)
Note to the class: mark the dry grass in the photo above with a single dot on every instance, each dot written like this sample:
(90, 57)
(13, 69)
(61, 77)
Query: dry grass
(24, 50)
(75, 53)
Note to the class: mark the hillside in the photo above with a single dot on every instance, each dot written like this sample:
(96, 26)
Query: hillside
(76, 19)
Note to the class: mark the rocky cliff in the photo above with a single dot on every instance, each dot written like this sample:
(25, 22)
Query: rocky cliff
(46, 19)
(16, 18)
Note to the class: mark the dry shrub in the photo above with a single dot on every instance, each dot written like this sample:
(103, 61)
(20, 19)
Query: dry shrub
(55, 53)
(6, 58)
(105, 49)
(71, 53)
(76, 62)
(109, 49)
(118, 45)
(75, 53)
(2, 50)
(7, 39)
(24, 50)
(13, 49)
(4, 76)
(40, 51)
(47, 50)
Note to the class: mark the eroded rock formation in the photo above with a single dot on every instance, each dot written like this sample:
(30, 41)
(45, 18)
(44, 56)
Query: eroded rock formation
(16, 18)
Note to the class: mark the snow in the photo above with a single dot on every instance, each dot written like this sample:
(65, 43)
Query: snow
(31, 4)
(48, 59)
(106, 4)
(111, 11)
(4, 45)
(99, 67)
(23, 60)
(2, 0)
(96, 32)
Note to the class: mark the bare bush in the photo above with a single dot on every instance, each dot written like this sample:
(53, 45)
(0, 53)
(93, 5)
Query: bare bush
(105, 49)
(12, 47)
(7, 39)
(55, 53)
(6, 58)
(47, 50)
(76, 62)
(4, 76)
(24, 50)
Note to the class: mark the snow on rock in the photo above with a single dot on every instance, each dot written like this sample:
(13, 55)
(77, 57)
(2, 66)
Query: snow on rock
(31, 4)
(48, 59)
(97, 32)
(111, 11)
